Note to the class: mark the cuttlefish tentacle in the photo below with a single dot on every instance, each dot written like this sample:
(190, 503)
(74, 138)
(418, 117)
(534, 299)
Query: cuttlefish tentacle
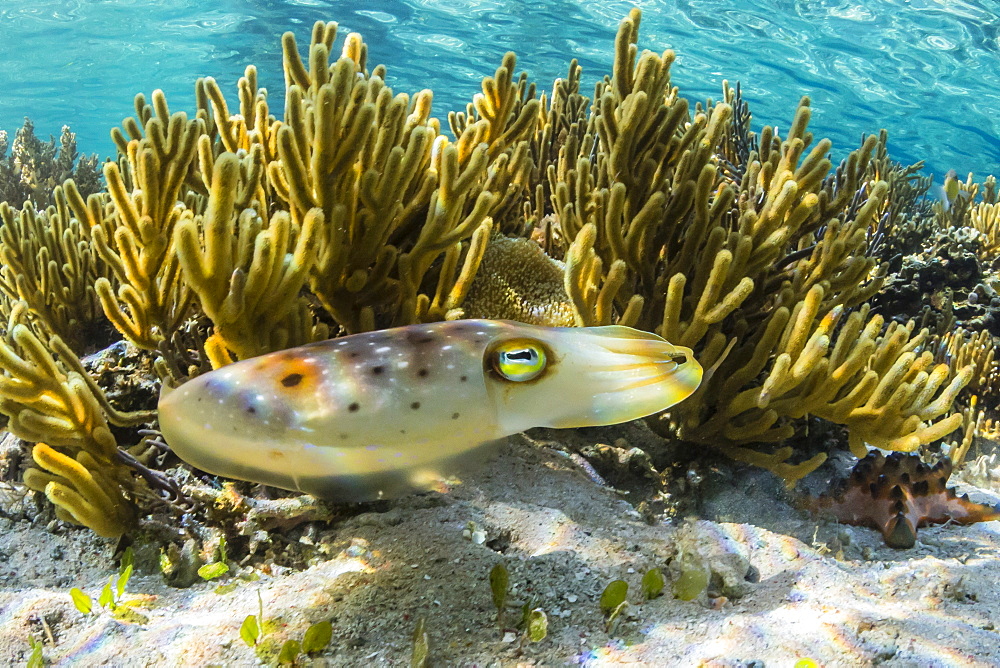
(383, 413)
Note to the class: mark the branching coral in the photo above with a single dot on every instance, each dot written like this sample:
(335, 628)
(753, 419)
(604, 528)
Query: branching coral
(985, 219)
(49, 263)
(396, 215)
(57, 405)
(352, 211)
(390, 194)
(83, 490)
(395, 194)
(962, 348)
(248, 283)
(134, 236)
(34, 168)
(354, 193)
(662, 235)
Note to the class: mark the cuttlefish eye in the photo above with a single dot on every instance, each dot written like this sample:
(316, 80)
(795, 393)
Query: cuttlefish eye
(518, 360)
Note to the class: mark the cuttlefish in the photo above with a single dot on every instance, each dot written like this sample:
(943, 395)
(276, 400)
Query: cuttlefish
(380, 414)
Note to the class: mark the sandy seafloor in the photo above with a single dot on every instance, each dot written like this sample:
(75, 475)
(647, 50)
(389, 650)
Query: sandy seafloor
(828, 592)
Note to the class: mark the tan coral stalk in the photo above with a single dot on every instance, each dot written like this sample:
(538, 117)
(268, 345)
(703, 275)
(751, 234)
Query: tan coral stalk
(81, 491)
(151, 302)
(248, 283)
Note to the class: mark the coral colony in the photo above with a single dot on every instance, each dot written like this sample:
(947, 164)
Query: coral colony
(242, 230)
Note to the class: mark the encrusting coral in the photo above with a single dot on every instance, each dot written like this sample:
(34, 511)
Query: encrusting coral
(237, 233)
(516, 280)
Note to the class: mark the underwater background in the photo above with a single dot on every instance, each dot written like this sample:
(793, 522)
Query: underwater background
(922, 69)
(838, 308)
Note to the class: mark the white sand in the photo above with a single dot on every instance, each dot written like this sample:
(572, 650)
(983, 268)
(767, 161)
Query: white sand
(376, 573)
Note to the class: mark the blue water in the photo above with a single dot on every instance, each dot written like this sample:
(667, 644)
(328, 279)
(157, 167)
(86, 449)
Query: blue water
(927, 70)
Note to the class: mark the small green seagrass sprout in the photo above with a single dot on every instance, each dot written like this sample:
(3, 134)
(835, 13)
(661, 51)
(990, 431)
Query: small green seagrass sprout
(421, 645)
(536, 626)
(36, 659)
(112, 597)
(216, 569)
(317, 638)
(652, 584)
(533, 620)
(252, 628)
(499, 586)
(613, 603)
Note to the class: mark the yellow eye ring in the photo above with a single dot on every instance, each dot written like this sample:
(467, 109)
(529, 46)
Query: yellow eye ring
(518, 360)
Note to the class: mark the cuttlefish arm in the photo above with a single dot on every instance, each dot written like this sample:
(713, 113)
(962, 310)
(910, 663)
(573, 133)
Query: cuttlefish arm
(384, 413)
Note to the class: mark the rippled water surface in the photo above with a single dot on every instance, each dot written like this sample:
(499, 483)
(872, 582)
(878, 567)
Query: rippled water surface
(927, 70)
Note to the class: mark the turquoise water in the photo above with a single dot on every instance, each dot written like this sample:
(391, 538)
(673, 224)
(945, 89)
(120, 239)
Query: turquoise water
(924, 69)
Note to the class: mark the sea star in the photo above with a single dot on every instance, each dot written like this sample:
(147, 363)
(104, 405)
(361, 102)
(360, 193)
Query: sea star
(898, 493)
